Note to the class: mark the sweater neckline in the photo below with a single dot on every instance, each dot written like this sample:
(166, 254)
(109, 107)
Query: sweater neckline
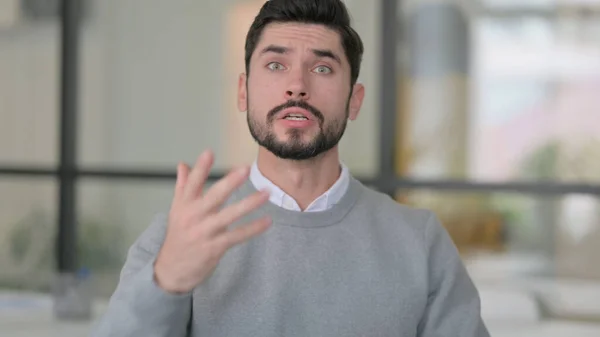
(284, 217)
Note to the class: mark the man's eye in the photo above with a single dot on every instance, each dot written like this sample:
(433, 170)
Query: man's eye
(275, 66)
(323, 70)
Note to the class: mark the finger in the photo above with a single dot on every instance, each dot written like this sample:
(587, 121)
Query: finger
(219, 222)
(244, 233)
(197, 178)
(222, 190)
(182, 175)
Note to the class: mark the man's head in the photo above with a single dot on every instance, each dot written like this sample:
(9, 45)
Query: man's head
(302, 63)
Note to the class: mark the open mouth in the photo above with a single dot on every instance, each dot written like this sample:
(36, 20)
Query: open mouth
(295, 117)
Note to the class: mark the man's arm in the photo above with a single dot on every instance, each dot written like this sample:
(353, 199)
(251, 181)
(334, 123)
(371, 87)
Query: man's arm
(454, 307)
(178, 252)
(139, 307)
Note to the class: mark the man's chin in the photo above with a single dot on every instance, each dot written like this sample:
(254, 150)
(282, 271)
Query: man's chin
(291, 150)
(294, 155)
(295, 140)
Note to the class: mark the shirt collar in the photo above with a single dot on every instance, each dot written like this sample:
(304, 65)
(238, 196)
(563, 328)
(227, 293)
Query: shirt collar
(278, 197)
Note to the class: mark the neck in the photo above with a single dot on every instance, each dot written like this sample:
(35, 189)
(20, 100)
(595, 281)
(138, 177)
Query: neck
(303, 180)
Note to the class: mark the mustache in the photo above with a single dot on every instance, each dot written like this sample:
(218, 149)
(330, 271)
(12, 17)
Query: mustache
(295, 104)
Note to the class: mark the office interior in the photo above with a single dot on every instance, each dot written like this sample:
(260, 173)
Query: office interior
(485, 111)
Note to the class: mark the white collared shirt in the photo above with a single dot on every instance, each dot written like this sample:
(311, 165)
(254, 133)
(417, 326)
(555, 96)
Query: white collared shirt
(282, 199)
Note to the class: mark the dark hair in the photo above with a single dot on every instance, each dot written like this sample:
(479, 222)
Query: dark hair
(330, 13)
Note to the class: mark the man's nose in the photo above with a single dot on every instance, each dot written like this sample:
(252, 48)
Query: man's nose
(297, 88)
(296, 94)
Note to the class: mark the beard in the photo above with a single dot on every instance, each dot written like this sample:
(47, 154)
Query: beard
(295, 148)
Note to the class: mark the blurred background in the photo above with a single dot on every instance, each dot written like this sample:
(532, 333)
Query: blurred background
(486, 111)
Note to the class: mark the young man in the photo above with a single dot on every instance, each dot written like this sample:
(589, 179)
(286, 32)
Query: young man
(294, 245)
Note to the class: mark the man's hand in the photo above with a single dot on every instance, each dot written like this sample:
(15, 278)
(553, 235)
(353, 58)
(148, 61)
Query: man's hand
(197, 233)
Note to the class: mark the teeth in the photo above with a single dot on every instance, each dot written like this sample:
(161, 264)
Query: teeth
(296, 118)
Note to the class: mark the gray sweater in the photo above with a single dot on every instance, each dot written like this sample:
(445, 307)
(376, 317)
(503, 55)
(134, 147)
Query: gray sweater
(367, 267)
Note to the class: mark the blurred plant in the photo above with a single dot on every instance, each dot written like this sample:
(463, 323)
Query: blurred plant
(31, 242)
(576, 158)
(541, 163)
(101, 246)
(573, 159)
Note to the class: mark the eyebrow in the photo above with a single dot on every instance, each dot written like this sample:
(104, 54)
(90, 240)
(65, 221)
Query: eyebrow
(326, 53)
(275, 49)
(322, 53)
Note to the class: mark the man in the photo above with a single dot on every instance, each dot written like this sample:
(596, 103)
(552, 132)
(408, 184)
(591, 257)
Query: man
(294, 245)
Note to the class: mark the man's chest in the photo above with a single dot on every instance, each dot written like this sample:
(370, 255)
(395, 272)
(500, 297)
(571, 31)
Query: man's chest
(309, 290)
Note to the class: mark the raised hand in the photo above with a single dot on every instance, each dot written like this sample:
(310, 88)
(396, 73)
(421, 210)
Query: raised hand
(198, 232)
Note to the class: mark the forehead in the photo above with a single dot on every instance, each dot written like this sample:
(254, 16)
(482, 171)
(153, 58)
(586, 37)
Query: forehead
(299, 36)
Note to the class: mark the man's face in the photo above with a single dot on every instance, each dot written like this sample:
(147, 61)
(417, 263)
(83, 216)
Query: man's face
(298, 96)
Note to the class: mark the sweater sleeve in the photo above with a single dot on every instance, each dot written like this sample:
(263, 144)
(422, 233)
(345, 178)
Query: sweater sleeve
(139, 307)
(453, 307)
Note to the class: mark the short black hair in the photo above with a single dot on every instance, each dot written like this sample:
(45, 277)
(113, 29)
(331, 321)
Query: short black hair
(330, 13)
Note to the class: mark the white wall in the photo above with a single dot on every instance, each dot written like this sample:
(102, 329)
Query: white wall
(28, 96)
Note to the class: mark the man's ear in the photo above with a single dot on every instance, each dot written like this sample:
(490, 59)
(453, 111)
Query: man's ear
(358, 94)
(242, 99)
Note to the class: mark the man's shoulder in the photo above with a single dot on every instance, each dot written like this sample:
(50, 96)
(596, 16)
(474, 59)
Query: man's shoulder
(152, 238)
(404, 229)
(386, 206)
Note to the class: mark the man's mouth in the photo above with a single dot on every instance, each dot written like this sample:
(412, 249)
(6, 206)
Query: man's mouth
(295, 112)
(295, 117)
